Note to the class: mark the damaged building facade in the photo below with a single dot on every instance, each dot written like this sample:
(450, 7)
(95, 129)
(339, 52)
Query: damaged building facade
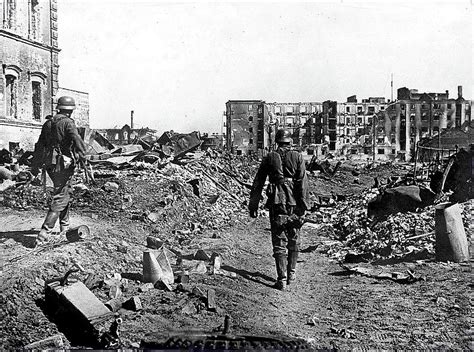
(127, 134)
(247, 126)
(373, 126)
(414, 116)
(28, 70)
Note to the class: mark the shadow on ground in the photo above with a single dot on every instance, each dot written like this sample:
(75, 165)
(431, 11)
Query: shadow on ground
(251, 276)
(26, 238)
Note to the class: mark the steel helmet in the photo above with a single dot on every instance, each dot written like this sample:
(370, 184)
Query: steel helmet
(283, 136)
(66, 103)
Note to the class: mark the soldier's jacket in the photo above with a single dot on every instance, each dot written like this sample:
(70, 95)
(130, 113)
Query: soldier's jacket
(288, 181)
(58, 135)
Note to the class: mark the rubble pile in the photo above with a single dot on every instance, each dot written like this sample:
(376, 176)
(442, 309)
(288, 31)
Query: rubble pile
(186, 196)
(25, 196)
(364, 239)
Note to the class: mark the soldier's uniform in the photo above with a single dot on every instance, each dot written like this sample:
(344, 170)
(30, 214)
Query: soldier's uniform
(57, 149)
(287, 195)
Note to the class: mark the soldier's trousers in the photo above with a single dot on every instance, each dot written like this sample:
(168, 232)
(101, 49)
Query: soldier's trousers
(284, 237)
(59, 206)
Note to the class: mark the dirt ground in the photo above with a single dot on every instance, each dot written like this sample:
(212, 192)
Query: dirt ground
(326, 307)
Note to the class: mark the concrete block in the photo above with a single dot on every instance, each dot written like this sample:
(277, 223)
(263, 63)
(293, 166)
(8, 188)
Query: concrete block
(80, 302)
(211, 300)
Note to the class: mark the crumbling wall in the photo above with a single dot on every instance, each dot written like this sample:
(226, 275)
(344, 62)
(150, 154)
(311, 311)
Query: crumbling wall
(243, 126)
(27, 61)
(81, 113)
(26, 134)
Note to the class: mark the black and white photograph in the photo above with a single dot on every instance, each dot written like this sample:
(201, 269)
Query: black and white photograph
(245, 175)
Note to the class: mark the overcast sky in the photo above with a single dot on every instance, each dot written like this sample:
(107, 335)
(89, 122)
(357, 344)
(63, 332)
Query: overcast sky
(176, 64)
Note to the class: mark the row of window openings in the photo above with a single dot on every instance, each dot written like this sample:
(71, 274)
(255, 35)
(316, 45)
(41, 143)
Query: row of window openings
(33, 13)
(11, 97)
(426, 106)
(360, 111)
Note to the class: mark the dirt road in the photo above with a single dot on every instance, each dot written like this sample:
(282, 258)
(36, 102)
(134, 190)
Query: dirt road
(326, 306)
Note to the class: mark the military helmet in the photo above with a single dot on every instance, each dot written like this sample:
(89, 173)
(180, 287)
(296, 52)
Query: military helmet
(66, 103)
(283, 136)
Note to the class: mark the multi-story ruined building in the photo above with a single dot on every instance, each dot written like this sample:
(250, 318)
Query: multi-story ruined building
(28, 69)
(418, 115)
(372, 126)
(293, 117)
(248, 126)
(251, 124)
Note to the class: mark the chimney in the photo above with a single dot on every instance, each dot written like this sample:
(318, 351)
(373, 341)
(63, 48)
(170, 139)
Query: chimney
(459, 91)
(131, 119)
(447, 94)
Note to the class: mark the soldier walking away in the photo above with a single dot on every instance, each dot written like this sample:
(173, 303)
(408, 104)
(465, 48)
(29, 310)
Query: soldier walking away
(287, 201)
(58, 149)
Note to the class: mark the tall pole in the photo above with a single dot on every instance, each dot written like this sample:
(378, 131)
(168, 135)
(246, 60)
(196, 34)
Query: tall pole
(391, 85)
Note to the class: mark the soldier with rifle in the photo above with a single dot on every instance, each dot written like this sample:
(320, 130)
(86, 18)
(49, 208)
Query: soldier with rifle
(58, 150)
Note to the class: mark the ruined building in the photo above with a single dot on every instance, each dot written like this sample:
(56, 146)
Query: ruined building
(29, 70)
(372, 126)
(294, 117)
(125, 135)
(248, 126)
(419, 115)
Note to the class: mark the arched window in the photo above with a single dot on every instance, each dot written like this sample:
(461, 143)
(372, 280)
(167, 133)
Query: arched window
(11, 90)
(38, 80)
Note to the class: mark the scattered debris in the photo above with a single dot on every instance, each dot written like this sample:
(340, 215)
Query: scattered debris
(133, 303)
(52, 342)
(375, 273)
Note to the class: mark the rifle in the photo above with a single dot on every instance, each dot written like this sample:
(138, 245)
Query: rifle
(88, 172)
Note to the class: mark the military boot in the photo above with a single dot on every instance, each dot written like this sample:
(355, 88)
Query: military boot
(47, 227)
(291, 268)
(281, 272)
(64, 220)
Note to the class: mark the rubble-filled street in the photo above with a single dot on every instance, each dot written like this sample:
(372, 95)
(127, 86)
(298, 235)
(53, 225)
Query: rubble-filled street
(236, 176)
(360, 285)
